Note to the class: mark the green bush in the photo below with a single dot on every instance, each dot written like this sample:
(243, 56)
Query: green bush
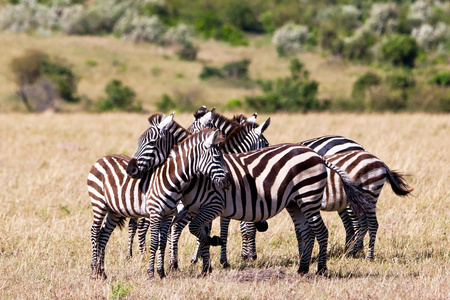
(166, 104)
(294, 93)
(441, 78)
(42, 79)
(208, 72)
(187, 51)
(400, 80)
(400, 50)
(363, 83)
(236, 69)
(119, 97)
(358, 47)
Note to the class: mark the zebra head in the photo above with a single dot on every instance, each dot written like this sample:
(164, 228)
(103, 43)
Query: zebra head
(202, 119)
(153, 146)
(211, 162)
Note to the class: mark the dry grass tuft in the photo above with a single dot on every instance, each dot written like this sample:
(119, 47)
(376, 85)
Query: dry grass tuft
(45, 216)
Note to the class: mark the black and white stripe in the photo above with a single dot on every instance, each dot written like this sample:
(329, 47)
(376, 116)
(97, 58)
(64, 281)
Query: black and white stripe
(115, 195)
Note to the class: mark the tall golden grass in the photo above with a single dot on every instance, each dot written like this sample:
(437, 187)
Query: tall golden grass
(45, 216)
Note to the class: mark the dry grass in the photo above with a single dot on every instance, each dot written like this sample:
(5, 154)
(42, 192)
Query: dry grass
(45, 216)
(152, 71)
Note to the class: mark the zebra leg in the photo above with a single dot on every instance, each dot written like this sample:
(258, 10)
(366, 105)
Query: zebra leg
(224, 224)
(305, 238)
(250, 243)
(95, 234)
(155, 224)
(175, 233)
(359, 238)
(142, 228)
(317, 225)
(132, 227)
(197, 252)
(350, 223)
(244, 251)
(165, 224)
(110, 224)
(197, 228)
(373, 227)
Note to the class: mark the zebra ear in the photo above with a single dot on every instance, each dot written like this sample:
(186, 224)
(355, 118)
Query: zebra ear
(252, 119)
(261, 128)
(166, 122)
(206, 118)
(213, 139)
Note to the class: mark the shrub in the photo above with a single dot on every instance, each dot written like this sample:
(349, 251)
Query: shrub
(363, 83)
(237, 69)
(400, 50)
(380, 98)
(35, 67)
(441, 78)
(182, 101)
(187, 51)
(234, 104)
(358, 47)
(400, 80)
(383, 18)
(432, 99)
(294, 93)
(140, 28)
(99, 18)
(290, 38)
(429, 37)
(118, 97)
(208, 72)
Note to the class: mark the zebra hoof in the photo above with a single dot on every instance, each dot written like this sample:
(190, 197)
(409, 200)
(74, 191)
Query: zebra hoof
(303, 271)
(261, 226)
(225, 264)
(173, 266)
(161, 273)
(321, 271)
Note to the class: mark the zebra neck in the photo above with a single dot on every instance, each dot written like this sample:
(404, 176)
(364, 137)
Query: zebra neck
(172, 178)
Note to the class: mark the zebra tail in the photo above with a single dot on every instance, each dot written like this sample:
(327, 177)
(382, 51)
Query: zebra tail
(398, 182)
(356, 195)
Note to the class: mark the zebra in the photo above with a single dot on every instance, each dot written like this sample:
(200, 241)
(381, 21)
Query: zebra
(266, 181)
(110, 188)
(149, 137)
(355, 227)
(198, 154)
(245, 136)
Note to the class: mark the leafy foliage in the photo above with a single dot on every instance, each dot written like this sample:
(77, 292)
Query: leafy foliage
(400, 50)
(118, 97)
(42, 79)
(294, 93)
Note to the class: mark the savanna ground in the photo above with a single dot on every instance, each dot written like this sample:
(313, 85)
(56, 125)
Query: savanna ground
(45, 216)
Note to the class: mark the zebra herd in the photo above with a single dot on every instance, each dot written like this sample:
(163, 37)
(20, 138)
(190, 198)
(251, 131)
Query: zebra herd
(226, 167)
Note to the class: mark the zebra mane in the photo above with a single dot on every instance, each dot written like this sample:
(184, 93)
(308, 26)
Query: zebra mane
(192, 140)
(224, 124)
(155, 119)
(178, 131)
(243, 127)
(241, 118)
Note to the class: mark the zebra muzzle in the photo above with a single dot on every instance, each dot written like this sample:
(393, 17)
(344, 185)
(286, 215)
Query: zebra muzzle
(133, 170)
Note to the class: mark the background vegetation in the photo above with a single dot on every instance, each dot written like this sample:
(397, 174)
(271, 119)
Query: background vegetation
(45, 248)
(159, 49)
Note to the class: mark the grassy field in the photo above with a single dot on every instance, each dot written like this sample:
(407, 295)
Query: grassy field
(45, 216)
(152, 71)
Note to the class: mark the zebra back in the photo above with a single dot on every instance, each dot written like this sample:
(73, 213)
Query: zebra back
(332, 144)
